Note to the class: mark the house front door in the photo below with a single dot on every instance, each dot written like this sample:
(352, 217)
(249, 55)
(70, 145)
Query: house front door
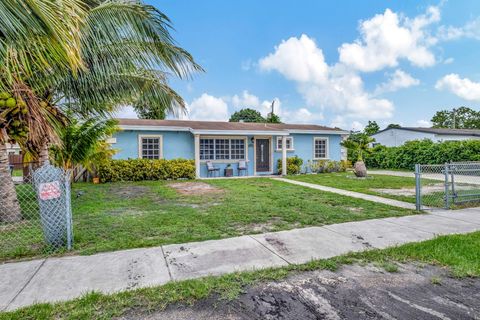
(262, 155)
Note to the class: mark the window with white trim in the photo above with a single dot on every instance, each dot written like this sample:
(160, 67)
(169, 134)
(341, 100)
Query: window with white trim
(150, 147)
(289, 143)
(222, 149)
(320, 148)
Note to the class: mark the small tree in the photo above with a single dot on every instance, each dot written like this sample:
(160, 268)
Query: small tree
(273, 118)
(247, 115)
(461, 118)
(83, 142)
(371, 128)
(393, 126)
(359, 145)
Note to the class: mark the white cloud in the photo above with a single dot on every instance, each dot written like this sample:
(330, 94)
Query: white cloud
(470, 30)
(338, 88)
(125, 112)
(448, 60)
(386, 38)
(245, 100)
(424, 123)
(357, 126)
(302, 115)
(397, 80)
(298, 59)
(340, 122)
(207, 107)
(462, 87)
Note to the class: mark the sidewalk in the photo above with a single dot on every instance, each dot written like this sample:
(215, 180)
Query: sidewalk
(57, 279)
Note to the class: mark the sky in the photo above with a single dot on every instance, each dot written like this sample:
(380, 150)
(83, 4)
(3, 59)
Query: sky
(335, 63)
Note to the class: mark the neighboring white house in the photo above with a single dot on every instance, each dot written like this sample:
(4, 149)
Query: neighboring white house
(394, 137)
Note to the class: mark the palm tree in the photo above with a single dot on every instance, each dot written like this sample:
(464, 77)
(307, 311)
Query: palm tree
(83, 142)
(359, 146)
(36, 38)
(86, 56)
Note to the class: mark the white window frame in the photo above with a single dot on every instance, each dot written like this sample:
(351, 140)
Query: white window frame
(327, 151)
(229, 138)
(140, 149)
(279, 139)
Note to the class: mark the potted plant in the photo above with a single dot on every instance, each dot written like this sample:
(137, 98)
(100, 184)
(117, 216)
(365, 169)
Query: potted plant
(229, 170)
(359, 145)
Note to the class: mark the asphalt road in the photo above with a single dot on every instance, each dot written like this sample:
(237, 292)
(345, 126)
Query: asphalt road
(354, 292)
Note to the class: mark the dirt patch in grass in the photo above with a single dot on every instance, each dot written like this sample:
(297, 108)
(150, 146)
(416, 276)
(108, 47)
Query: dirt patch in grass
(194, 188)
(355, 209)
(261, 227)
(130, 191)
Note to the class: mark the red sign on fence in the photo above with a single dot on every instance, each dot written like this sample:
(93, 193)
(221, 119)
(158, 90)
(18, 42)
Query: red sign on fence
(49, 190)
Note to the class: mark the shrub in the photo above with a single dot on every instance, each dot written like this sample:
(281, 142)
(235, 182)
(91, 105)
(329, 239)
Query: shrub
(326, 166)
(145, 169)
(294, 165)
(423, 152)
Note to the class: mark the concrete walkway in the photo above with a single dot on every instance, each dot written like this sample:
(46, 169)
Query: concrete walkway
(57, 279)
(353, 194)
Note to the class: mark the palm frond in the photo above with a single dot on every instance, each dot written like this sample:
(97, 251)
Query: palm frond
(81, 140)
(37, 35)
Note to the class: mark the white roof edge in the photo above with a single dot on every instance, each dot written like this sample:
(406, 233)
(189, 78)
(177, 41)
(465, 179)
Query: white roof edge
(284, 132)
(154, 128)
(318, 131)
(244, 132)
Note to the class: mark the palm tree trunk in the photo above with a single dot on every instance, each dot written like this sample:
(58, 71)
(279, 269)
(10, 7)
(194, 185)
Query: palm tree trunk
(9, 206)
(43, 155)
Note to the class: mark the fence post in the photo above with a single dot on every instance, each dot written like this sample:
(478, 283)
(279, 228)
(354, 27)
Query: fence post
(452, 176)
(418, 186)
(68, 208)
(447, 204)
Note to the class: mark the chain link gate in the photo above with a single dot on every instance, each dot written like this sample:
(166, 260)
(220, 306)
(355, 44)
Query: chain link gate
(447, 186)
(35, 213)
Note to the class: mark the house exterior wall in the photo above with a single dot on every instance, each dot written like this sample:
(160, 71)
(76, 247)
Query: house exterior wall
(176, 144)
(180, 144)
(303, 147)
(397, 137)
(444, 137)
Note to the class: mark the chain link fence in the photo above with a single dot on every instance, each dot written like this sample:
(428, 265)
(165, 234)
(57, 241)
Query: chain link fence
(35, 213)
(448, 186)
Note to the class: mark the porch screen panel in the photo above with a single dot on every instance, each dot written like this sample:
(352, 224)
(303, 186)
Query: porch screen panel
(222, 149)
(238, 149)
(207, 149)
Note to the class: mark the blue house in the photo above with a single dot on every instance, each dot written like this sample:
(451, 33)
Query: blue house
(260, 145)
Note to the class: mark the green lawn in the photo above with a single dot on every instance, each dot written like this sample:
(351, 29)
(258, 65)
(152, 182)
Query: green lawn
(348, 181)
(140, 214)
(458, 252)
(399, 188)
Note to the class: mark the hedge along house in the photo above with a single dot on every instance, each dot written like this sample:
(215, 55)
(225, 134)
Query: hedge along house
(224, 143)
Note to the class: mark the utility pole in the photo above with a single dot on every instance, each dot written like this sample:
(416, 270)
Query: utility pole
(454, 117)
